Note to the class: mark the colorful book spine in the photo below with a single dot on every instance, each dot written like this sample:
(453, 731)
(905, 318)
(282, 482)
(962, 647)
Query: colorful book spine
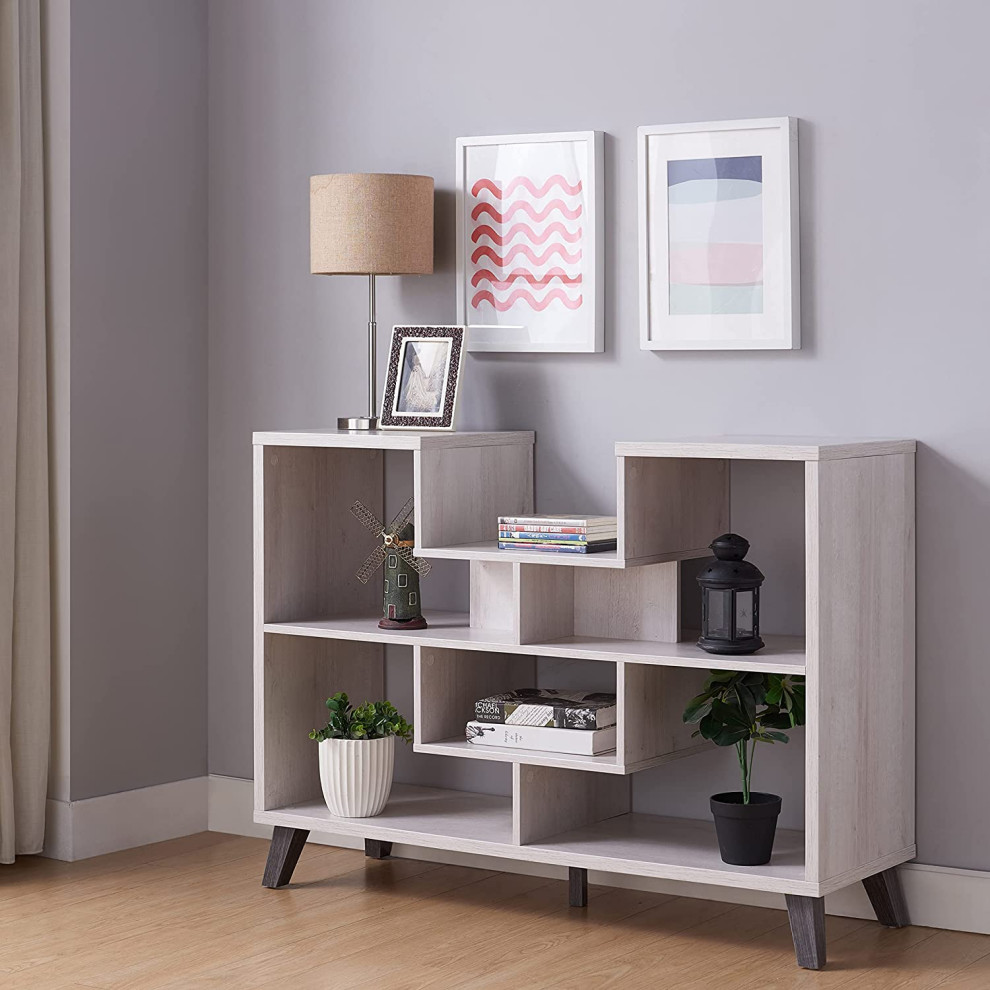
(558, 548)
(570, 530)
(553, 537)
(579, 742)
(584, 522)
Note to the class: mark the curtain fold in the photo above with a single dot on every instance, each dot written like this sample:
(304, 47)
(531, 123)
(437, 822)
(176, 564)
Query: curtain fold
(25, 586)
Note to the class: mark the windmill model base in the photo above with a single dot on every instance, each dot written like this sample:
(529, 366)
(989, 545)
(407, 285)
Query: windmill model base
(418, 623)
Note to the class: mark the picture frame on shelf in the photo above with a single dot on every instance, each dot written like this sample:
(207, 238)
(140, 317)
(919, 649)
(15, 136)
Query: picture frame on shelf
(423, 377)
(719, 235)
(530, 259)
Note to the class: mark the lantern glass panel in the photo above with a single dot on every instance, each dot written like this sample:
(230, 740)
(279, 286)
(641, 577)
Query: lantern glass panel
(719, 614)
(744, 614)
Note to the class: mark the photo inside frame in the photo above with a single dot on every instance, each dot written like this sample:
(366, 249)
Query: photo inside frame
(422, 386)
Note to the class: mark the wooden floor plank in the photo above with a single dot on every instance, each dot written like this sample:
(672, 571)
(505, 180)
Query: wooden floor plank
(191, 914)
(716, 940)
(768, 957)
(975, 976)
(928, 964)
(321, 922)
(640, 927)
(413, 960)
(865, 948)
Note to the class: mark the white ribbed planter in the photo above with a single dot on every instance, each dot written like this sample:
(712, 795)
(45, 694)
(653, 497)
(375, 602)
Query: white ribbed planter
(356, 775)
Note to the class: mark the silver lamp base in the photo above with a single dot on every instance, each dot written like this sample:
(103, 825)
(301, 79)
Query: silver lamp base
(357, 423)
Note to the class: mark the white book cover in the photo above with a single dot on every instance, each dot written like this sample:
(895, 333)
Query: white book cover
(581, 742)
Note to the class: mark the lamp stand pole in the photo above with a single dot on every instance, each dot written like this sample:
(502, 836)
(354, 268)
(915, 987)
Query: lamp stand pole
(369, 422)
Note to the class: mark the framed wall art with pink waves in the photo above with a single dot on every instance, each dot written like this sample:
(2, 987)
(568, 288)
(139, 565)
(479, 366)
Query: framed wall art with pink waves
(529, 242)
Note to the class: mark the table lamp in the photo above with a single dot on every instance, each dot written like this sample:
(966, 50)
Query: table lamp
(370, 224)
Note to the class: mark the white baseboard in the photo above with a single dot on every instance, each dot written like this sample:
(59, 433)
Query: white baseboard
(937, 896)
(80, 829)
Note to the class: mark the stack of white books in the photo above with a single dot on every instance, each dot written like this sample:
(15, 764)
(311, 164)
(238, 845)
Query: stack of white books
(577, 722)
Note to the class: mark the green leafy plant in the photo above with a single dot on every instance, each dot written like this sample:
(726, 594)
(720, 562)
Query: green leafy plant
(740, 708)
(372, 720)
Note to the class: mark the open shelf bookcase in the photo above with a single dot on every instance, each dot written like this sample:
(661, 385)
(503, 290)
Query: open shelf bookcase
(316, 631)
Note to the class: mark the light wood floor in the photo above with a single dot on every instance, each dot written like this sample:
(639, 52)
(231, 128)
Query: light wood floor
(191, 914)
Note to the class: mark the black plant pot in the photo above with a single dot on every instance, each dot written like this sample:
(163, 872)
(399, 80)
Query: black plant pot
(745, 831)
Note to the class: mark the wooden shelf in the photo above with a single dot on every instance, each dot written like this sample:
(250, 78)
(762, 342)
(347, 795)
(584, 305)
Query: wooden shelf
(642, 845)
(452, 630)
(433, 817)
(623, 607)
(605, 763)
(766, 448)
(488, 550)
(674, 849)
(390, 439)
(781, 655)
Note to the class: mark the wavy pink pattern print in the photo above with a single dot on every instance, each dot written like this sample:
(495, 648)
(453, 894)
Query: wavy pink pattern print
(523, 274)
(526, 207)
(484, 230)
(524, 294)
(535, 262)
(485, 251)
(524, 182)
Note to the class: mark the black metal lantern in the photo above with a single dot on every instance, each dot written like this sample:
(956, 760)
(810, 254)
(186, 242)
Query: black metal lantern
(730, 599)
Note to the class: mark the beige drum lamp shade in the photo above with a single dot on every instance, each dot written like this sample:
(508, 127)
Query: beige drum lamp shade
(371, 224)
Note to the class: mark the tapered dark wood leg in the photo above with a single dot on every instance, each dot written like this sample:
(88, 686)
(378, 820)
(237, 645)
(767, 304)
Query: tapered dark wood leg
(283, 854)
(807, 918)
(577, 887)
(884, 890)
(377, 848)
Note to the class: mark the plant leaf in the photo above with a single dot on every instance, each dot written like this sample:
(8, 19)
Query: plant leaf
(697, 709)
(710, 726)
(730, 715)
(729, 737)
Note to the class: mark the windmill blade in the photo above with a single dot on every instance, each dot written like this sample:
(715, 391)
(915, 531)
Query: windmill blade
(401, 518)
(372, 564)
(360, 511)
(420, 565)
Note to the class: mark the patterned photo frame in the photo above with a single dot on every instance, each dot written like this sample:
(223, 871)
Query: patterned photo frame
(422, 381)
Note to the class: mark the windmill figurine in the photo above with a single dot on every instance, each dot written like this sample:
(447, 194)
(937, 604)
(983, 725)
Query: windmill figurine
(401, 604)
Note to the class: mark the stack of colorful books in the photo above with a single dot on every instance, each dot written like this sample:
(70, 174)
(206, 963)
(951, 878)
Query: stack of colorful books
(557, 534)
(578, 722)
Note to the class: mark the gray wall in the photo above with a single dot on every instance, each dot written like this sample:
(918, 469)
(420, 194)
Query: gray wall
(138, 394)
(895, 155)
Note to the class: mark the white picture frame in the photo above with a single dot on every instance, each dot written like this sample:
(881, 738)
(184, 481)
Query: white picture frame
(708, 293)
(423, 378)
(556, 181)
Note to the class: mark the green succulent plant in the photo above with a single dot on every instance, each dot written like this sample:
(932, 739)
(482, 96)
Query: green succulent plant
(741, 708)
(372, 720)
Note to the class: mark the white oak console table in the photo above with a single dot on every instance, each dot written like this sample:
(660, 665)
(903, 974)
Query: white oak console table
(316, 632)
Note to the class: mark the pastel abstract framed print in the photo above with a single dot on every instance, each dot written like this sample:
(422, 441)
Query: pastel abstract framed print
(529, 242)
(718, 236)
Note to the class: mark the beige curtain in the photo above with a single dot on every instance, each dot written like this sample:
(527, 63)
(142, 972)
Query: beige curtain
(25, 630)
